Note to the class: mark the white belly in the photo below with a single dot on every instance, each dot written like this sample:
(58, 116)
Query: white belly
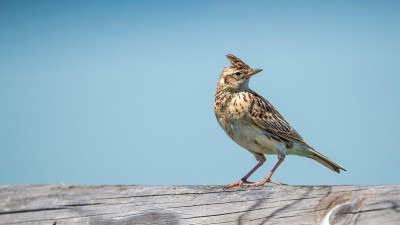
(255, 140)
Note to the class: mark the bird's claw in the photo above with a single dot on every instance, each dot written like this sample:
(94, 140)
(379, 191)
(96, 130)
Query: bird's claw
(244, 183)
(241, 183)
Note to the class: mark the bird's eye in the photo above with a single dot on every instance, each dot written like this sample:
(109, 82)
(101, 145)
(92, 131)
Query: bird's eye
(237, 73)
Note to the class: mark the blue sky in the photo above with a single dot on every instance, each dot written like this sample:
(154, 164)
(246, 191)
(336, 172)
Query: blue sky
(121, 92)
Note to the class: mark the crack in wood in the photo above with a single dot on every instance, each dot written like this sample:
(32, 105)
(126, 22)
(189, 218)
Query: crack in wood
(101, 205)
(30, 210)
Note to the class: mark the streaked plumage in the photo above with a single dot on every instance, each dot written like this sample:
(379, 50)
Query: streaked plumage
(253, 123)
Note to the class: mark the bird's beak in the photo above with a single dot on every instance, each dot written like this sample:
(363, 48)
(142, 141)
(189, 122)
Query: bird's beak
(253, 71)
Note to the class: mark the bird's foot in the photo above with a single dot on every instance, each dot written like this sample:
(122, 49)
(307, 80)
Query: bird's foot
(262, 183)
(241, 183)
(245, 183)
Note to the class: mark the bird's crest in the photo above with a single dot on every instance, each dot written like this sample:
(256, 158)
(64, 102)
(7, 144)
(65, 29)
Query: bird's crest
(236, 62)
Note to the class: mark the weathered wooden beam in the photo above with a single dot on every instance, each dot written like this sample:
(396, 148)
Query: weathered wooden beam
(64, 204)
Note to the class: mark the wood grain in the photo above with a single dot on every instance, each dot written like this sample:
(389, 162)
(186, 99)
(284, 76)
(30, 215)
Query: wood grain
(64, 204)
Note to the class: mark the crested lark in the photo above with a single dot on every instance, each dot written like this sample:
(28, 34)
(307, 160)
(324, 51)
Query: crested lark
(253, 123)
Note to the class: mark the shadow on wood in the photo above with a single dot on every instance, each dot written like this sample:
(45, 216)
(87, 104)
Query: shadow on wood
(98, 205)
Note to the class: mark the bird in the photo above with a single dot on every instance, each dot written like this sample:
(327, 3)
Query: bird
(255, 124)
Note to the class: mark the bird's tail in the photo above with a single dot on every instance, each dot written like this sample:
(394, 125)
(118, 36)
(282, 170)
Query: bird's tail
(313, 154)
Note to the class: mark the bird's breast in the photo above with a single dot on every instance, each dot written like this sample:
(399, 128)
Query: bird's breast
(235, 119)
(239, 106)
(231, 108)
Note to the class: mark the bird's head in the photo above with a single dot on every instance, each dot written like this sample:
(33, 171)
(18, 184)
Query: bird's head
(237, 76)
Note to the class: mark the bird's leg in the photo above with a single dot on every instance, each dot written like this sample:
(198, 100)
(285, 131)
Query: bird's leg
(267, 179)
(261, 159)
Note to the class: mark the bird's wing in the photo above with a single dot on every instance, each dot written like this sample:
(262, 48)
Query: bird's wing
(264, 115)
